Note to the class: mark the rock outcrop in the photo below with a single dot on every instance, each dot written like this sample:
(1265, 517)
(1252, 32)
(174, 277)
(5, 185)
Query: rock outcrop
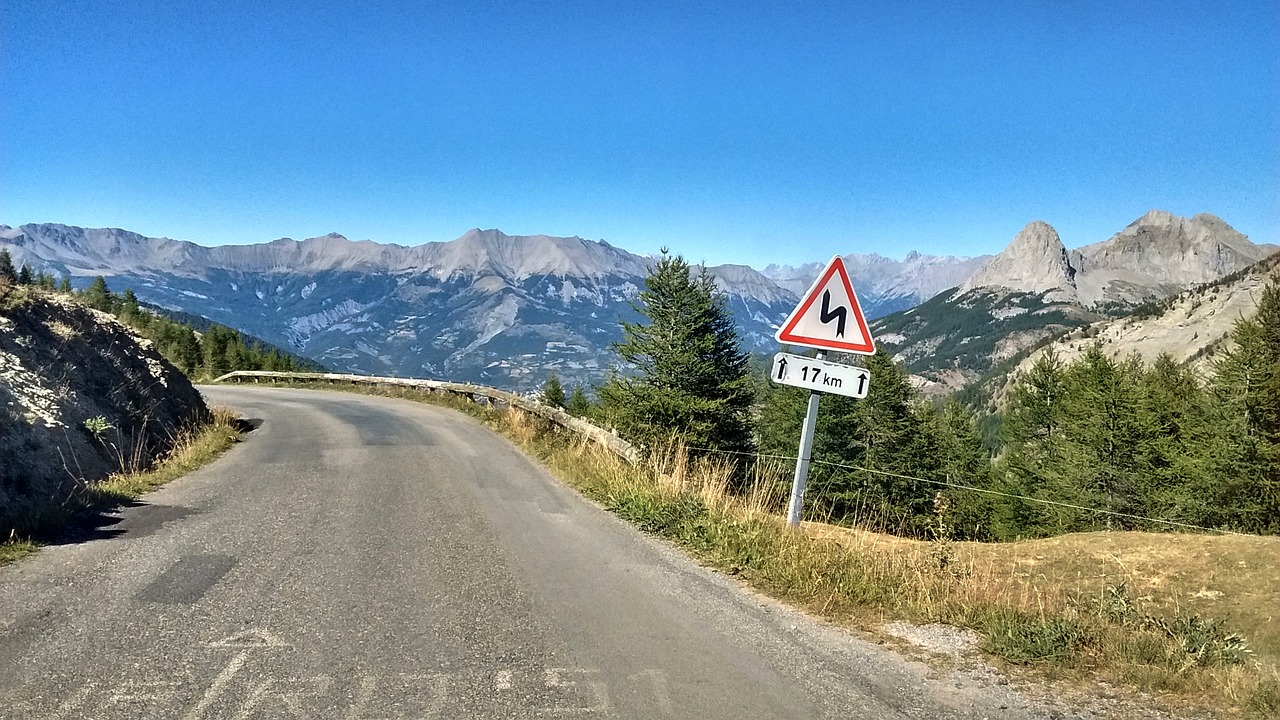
(80, 398)
(1161, 254)
(1156, 256)
(1035, 262)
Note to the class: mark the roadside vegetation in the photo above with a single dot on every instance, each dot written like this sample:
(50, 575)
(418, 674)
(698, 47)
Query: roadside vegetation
(90, 417)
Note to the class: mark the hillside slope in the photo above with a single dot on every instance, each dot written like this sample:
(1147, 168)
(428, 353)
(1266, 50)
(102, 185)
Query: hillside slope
(80, 398)
(1187, 326)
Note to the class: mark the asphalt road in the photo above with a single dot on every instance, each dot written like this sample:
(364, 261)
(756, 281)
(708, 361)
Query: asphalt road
(369, 558)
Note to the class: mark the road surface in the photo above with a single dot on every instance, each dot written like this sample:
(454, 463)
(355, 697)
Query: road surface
(370, 558)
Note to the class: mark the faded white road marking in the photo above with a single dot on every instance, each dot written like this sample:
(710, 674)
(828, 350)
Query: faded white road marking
(253, 638)
(503, 680)
(215, 689)
(661, 689)
(554, 678)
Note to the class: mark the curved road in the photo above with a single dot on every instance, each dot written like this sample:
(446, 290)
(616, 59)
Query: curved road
(360, 557)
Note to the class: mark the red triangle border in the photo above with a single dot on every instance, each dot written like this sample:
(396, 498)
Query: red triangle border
(785, 333)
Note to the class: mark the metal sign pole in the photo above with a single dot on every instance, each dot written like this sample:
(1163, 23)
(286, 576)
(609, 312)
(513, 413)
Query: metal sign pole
(796, 505)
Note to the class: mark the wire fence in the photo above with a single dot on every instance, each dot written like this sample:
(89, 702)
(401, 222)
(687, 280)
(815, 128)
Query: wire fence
(986, 491)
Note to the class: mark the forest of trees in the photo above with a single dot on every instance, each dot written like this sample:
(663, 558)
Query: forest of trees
(200, 355)
(1139, 441)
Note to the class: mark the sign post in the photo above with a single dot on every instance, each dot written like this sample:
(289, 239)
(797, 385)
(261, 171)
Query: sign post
(827, 318)
(796, 504)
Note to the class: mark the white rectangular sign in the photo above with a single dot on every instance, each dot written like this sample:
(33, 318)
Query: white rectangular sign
(820, 375)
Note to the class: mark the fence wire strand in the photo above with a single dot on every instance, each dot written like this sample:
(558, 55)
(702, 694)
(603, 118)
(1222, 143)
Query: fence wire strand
(958, 486)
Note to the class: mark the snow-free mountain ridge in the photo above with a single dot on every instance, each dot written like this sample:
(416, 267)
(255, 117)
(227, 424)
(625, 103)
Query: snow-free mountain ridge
(506, 310)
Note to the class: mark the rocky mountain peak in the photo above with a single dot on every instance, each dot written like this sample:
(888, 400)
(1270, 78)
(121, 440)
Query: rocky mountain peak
(517, 257)
(1160, 254)
(1157, 217)
(1035, 261)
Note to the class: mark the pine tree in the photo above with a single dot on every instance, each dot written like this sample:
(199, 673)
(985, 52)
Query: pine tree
(128, 309)
(1177, 414)
(1103, 422)
(65, 285)
(25, 276)
(1247, 386)
(962, 460)
(7, 272)
(98, 296)
(553, 391)
(691, 375)
(578, 405)
(1034, 452)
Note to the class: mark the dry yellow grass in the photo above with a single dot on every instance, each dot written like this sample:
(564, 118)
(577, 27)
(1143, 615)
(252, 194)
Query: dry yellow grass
(1234, 577)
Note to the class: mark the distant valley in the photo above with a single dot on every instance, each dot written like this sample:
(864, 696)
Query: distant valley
(506, 310)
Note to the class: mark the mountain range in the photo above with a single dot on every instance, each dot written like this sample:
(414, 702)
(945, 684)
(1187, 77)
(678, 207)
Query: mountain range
(505, 310)
(1036, 289)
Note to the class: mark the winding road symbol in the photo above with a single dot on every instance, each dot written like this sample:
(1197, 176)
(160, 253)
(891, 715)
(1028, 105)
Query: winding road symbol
(829, 317)
(827, 314)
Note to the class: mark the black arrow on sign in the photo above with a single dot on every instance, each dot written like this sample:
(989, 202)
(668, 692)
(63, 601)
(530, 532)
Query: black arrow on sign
(827, 314)
(782, 368)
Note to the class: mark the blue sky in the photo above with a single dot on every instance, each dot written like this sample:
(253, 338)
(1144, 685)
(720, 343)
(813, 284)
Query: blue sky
(739, 131)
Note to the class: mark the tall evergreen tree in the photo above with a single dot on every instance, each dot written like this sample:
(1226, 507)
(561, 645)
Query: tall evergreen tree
(98, 296)
(1177, 416)
(65, 285)
(962, 459)
(1035, 447)
(7, 272)
(691, 374)
(25, 276)
(1104, 424)
(1247, 386)
(578, 403)
(553, 391)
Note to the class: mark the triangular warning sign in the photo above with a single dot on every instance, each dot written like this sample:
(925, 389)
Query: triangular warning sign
(829, 317)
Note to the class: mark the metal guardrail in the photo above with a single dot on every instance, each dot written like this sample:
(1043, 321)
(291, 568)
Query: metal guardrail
(605, 438)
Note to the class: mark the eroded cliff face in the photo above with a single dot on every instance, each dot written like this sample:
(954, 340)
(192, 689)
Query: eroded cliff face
(81, 398)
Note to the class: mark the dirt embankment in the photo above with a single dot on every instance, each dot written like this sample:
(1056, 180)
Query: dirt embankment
(80, 398)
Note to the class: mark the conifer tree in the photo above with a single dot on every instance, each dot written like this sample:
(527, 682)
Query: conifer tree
(25, 276)
(65, 285)
(691, 375)
(553, 391)
(1247, 386)
(962, 460)
(7, 272)
(1103, 422)
(98, 296)
(1032, 430)
(578, 404)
